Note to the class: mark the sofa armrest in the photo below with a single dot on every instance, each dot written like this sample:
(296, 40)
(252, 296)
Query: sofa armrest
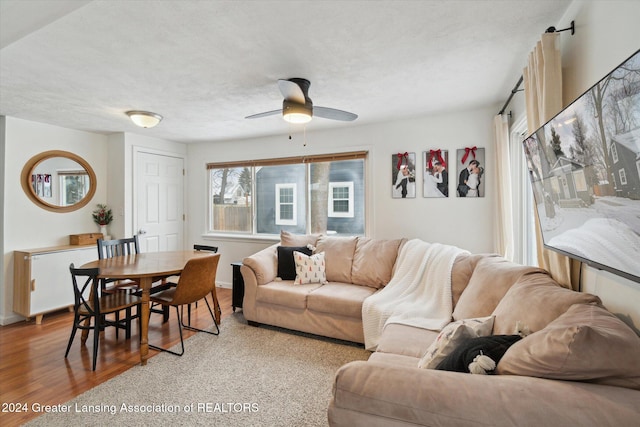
(258, 269)
(373, 393)
(263, 265)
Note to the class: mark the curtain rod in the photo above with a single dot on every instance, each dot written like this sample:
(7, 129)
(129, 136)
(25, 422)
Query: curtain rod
(516, 88)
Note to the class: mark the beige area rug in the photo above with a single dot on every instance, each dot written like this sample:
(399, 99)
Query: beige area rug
(246, 376)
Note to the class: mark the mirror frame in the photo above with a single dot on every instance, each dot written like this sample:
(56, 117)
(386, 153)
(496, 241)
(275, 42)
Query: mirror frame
(25, 180)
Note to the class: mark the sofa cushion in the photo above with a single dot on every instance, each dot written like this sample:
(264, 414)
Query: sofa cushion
(339, 298)
(286, 263)
(373, 261)
(290, 239)
(338, 258)
(285, 293)
(452, 336)
(405, 340)
(491, 279)
(461, 272)
(309, 268)
(585, 343)
(535, 301)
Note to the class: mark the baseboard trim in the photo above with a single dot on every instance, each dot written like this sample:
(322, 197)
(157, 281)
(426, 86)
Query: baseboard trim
(13, 318)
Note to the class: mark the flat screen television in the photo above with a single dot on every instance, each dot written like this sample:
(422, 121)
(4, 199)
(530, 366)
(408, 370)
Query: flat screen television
(584, 167)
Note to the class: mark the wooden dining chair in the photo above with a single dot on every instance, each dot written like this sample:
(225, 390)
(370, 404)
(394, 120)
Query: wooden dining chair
(110, 249)
(197, 280)
(91, 306)
(123, 247)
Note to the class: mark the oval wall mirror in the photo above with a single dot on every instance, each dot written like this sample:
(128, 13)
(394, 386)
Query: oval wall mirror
(58, 181)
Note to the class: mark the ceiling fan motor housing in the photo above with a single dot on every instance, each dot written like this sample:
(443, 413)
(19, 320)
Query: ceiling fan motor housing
(292, 107)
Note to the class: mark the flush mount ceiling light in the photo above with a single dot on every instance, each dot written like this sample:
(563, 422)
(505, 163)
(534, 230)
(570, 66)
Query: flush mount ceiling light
(144, 119)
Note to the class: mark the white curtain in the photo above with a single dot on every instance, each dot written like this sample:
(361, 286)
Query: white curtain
(543, 98)
(503, 238)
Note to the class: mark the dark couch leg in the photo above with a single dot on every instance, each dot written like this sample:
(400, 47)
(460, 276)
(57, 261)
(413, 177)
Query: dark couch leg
(252, 323)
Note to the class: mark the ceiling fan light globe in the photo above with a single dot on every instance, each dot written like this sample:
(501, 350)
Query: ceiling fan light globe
(297, 117)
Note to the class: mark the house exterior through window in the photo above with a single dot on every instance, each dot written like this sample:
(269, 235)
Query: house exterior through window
(312, 194)
(341, 199)
(285, 204)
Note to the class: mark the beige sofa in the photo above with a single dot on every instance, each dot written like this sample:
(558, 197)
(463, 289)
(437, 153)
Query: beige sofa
(356, 267)
(579, 365)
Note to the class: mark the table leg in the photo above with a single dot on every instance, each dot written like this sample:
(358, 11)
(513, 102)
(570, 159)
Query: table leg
(145, 284)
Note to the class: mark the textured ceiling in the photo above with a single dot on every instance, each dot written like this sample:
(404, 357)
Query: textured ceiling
(205, 65)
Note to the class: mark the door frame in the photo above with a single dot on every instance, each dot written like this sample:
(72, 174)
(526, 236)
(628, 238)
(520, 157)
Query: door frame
(134, 190)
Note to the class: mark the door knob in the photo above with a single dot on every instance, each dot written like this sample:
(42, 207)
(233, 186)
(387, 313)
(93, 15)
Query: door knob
(142, 231)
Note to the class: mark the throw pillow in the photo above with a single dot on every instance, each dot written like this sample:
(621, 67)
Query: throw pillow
(586, 343)
(309, 269)
(290, 239)
(468, 352)
(535, 300)
(286, 264)
(451, 336)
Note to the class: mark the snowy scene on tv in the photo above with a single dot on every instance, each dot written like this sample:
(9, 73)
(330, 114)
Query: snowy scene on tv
(584, 166)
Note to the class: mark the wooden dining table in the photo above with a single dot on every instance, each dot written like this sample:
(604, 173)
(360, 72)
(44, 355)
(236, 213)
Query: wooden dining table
(145, 268)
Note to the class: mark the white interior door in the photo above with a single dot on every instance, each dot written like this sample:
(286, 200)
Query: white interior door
(159, 202)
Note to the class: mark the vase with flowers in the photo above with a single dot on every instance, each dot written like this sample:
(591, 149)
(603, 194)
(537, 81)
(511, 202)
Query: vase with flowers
(103, 216)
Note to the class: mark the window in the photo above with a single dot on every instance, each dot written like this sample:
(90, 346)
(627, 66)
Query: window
(285, 204)
(614, 153)
(623, 177)
(525, 245)
(230, 195)
(341, 199)
(313, 194)
(74, 185)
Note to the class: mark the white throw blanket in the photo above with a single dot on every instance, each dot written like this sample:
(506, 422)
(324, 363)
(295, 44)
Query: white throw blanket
(418, 294)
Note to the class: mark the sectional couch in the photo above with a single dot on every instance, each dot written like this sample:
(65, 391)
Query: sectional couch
(578, 364)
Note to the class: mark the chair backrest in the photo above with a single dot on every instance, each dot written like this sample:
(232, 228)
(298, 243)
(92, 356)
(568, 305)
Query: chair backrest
(117, 247)
(85, 291)
(213, 249)
(196, 280)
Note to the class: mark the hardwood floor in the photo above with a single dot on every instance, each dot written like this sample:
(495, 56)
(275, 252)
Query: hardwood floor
(33, 370)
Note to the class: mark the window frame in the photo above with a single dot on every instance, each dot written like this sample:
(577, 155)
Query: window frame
(622, 174)
(279, 203)
(614, 153)
(350, 199)
(525, 244)
(254, 166)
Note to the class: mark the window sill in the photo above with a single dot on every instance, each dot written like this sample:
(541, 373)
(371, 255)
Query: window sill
(248, 238)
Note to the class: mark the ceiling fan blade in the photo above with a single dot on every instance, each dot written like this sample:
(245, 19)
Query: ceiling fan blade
(291, 91)
(334, 114)
(265, 114)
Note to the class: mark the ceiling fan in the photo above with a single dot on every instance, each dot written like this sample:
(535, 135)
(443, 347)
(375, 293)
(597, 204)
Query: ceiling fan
(297, 107)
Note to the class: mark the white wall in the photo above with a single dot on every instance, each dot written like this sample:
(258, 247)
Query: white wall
(2, 205)
(467, 223)
(607, 33)
(27, 226)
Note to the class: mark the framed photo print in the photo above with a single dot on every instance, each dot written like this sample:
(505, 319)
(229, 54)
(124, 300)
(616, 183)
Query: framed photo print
(403, 175)
(435, 176)
(470, 162)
